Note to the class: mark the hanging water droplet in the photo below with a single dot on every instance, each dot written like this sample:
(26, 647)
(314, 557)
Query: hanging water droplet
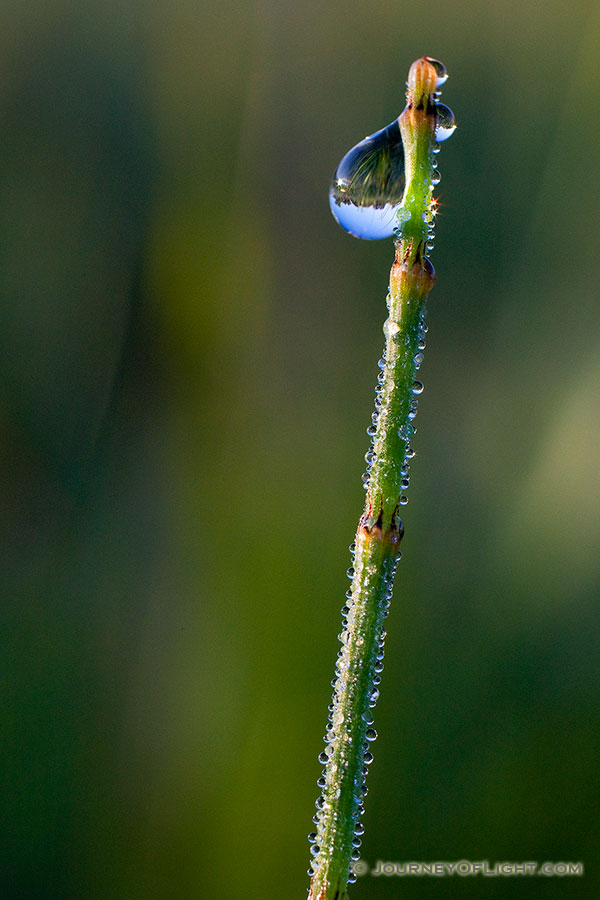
(312, 837)
(368, 758)
(374, 697)
(417, 387)
(436, 177)
(371, 430)
(440, 70)
(371, 734)
(405, 483)
(418, 359)
(445, 123)
(368, 185)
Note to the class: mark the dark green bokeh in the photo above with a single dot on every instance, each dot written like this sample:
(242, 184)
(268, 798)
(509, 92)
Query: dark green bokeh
(188, 358)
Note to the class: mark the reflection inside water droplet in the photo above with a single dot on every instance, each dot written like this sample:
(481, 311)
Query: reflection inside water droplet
(440, 70)
(445, 122)
(368, 185)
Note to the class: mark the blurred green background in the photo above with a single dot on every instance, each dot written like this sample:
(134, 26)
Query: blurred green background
(188, 354)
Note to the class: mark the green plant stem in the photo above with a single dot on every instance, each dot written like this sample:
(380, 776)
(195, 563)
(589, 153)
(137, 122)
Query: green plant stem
(380, 528)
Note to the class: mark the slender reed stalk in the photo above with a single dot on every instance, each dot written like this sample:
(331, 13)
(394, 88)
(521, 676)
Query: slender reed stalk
(376, 549)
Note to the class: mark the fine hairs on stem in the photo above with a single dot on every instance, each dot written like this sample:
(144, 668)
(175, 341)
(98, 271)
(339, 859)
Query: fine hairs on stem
(383, 187)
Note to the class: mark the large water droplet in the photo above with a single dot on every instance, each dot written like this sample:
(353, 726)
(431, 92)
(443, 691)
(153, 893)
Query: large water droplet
(368, 185)
(445, 123)
(440, 70)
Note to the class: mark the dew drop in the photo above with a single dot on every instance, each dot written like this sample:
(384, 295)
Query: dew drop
(371, 734)
(368, 185)
(403, 500)
(440, 70)
(390, 328)
(445, 122)
(368, 758)
(417, 387)
(418, 359)
(312, 837)
(435, 177)
(374, 697)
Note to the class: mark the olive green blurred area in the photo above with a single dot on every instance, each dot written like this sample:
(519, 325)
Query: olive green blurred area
(188, 355)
